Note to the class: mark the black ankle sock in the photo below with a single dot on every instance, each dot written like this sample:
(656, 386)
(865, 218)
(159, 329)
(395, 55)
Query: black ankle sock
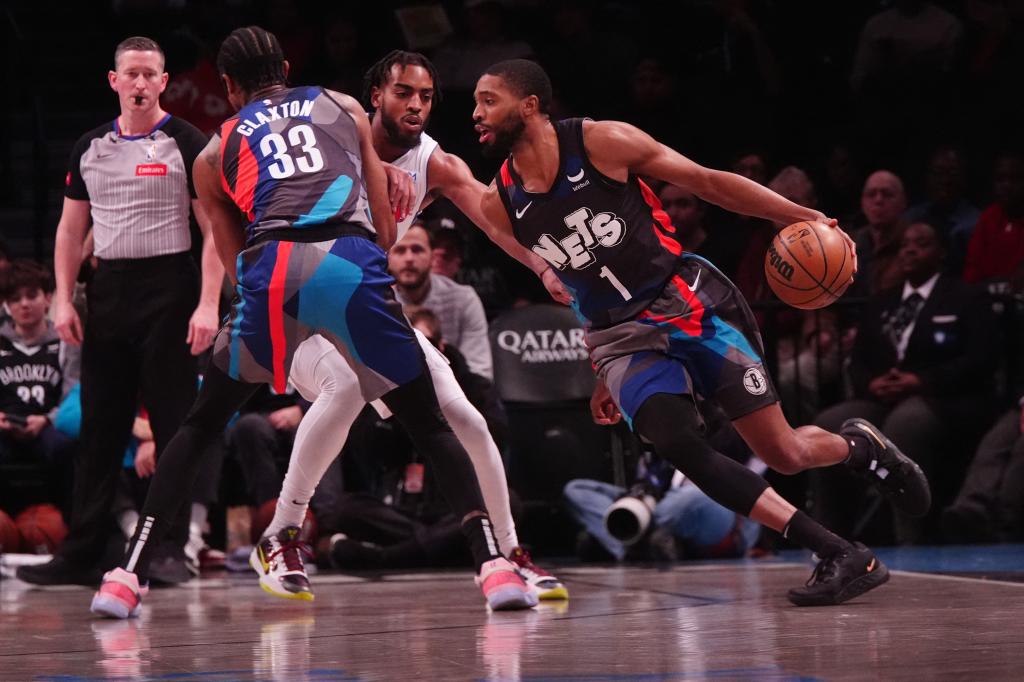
(479, 533)
(861, 450)
(807, 532)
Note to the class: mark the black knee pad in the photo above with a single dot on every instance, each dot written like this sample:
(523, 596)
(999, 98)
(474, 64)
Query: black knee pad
(671, 423)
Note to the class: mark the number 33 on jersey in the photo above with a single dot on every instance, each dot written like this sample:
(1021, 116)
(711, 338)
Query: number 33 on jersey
(284, 162)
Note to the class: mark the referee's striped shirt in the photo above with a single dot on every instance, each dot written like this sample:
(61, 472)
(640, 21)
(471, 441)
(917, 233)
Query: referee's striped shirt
(139, 187)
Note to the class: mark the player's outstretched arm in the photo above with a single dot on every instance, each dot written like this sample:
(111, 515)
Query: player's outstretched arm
(225, 221)
(615, 148)
(483, 206)
(374, 177)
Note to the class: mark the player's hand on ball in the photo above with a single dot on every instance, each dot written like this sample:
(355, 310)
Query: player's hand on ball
(602, 407)
(834, 224)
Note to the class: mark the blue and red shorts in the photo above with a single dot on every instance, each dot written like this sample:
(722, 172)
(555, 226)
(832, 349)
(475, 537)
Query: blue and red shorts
(339, 288)
(698, 336)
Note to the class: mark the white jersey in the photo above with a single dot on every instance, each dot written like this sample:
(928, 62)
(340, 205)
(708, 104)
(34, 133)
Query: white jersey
(414, 162)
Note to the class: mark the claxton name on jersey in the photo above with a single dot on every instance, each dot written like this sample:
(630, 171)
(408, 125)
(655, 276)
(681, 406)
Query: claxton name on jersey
(293, 109)
(590, 230)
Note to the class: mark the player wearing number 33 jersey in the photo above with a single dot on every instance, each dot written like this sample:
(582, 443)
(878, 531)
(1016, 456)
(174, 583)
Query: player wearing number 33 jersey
(290, 162)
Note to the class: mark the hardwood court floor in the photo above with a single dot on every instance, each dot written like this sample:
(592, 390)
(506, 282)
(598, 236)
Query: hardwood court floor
(723, 621)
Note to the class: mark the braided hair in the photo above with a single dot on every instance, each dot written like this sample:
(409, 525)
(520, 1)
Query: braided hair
(378, 75)
(252, 57)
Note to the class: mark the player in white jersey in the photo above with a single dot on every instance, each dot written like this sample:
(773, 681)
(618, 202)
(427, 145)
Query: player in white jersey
(402, 88)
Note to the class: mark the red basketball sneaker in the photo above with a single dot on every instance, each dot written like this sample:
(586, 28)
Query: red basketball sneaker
(119, 596)
(503, 587)
(542, 583)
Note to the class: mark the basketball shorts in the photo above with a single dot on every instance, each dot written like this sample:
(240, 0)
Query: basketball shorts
(340, 289)
(698, 337)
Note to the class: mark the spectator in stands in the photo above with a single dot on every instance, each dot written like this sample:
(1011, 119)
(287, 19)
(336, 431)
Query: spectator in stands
(990, 504)
(457, 306)
(945, 207)
(908, 45)
(34, 378)
(922, 367)
(5, 262)
(483, 40)
(751, 164)
(907, 53)
(841, 183)
(752, 234)
(883, 202)
(688, 215)
(996, 249)
(448, 250)
(131, 178)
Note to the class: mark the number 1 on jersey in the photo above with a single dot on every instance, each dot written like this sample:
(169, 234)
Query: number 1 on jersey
(614, 281)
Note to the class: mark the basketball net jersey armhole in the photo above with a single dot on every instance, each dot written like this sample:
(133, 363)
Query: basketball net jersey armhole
(506, 199)
(610, 183)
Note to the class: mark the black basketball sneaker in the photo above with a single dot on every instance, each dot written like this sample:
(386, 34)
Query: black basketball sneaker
(898, 477)
(842, 576)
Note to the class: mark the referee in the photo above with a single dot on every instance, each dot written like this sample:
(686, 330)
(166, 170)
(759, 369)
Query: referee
(131, 179)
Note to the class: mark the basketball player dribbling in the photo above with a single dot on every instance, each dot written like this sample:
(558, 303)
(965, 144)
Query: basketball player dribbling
(663, 325)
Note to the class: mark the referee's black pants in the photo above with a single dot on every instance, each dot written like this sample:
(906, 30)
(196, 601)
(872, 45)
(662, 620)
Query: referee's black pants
(133, 353)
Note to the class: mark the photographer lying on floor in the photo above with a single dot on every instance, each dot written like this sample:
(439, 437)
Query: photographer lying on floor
(662, 515)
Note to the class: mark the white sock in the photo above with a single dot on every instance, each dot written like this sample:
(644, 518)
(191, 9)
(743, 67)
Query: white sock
(322, 431)
(127, 521)
(197, 523)
(471, 430)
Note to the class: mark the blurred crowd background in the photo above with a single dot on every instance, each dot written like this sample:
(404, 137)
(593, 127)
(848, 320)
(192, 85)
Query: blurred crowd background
(901, 119)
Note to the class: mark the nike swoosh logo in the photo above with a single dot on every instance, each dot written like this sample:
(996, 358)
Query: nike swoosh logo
(577, 177)
(693, 287)
(520, 214)
(871, 566)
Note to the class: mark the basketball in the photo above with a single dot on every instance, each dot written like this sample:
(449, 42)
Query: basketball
(808, 265)
(42, 528)
(10, 538)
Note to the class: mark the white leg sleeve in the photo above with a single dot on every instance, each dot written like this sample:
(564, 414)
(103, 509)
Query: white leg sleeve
(321, 375)
(471, 430)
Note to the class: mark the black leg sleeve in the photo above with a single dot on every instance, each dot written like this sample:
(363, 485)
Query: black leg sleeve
(415, 407)
(671, 424)
(181, 461)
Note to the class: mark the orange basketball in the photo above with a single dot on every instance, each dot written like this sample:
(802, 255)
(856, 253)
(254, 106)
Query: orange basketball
(10, 538)
(808, 265)
(42, 528)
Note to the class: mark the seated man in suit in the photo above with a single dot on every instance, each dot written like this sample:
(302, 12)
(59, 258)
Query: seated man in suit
(922, 367)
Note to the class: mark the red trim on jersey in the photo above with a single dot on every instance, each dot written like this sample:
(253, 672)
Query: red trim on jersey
(652, 200)
(246, 177)
(225, 130)
(692, 324)
(662, 223)
(275, 302)
(506, 176)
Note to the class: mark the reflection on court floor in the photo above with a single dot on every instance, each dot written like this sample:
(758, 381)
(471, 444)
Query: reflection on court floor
(723, 620)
